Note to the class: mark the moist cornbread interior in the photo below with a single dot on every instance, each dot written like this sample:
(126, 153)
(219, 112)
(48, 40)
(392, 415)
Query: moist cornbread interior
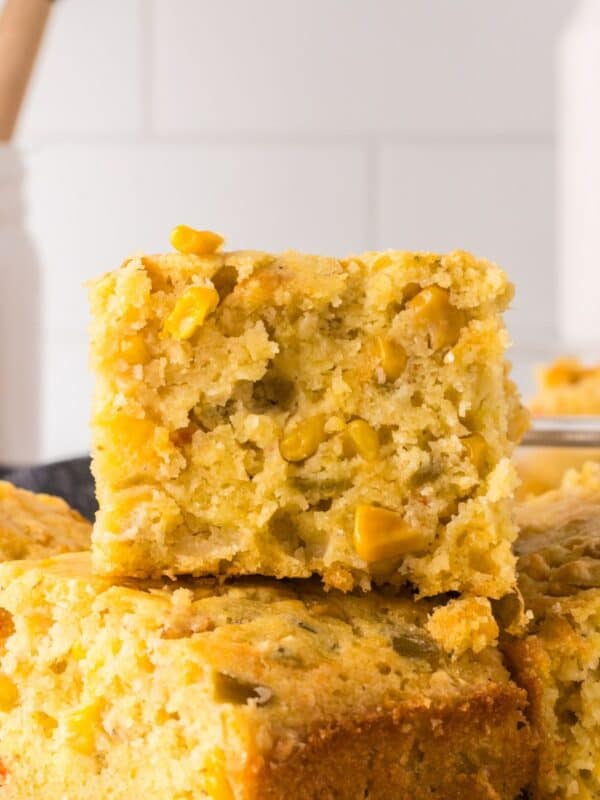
(38, 525)
(559, 663)
(291, 414)
(254, 690)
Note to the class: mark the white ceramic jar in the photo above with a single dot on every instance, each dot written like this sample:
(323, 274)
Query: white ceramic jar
(20, 383)
(579, 179)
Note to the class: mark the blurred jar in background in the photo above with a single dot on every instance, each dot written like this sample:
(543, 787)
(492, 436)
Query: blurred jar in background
(20, 383)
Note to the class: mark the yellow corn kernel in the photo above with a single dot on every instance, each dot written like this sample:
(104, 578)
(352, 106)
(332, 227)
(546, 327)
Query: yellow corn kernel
(45, 721)
(304, 439)
(433, 310)
(393, 358)
(476, 447)
(80, 728)
(135, 350)
(190, 311)
(190, 241)
(381, 261)
(132, 432)
(9, 694)
(380, 533)
(216, 784)
(78, 651)
(361, 438)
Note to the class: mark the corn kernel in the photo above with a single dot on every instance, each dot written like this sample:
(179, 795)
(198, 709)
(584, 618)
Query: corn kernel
(190, 311)
(361, 438)
(45, 721)
(476, 447)
(380, 533)
(134, 432)
(78, 651)
(381, 261)
(9, 694)
(216, 784)
(134, 350)
(304, 439)
(393, 358)
(80, 728)
(190, 241)
(434, 311)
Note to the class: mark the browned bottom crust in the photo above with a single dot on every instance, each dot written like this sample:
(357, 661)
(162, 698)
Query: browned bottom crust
(479, 750)
(529, 662)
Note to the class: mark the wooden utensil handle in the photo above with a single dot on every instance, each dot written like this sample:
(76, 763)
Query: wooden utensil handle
(22, 24)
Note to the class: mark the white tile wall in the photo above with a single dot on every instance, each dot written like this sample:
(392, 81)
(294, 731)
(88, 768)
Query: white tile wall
(441, 66)
(329, 125)
(67, 393)
(89, 75)
(93, 204)
(496, 200)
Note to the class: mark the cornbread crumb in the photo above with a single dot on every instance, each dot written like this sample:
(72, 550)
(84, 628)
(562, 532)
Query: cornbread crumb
(254, 690)
(290, 415)
(465, 623)
(38, 525)
(559, 575)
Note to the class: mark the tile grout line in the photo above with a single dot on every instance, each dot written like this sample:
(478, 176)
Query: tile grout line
(273, 138)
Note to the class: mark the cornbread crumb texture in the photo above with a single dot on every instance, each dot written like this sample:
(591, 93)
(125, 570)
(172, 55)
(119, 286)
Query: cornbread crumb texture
(38, 525)
(290, 415)
(559, 575)
(257, 689)
(466, 623)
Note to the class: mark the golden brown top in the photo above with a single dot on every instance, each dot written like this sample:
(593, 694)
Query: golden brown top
(38, 525)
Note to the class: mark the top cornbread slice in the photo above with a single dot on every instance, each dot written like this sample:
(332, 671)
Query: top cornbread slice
(293, 414)
(250, 690)
(38, 525)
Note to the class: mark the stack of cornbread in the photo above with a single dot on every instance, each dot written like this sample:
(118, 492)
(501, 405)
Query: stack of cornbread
(302, 581)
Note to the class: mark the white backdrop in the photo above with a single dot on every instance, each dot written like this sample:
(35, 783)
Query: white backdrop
(328, 125)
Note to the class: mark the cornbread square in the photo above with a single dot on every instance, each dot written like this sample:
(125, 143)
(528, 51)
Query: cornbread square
(253, 690)
(564, 387)
(567, 387)
(38, 525)
(559, 663)
(287, 415)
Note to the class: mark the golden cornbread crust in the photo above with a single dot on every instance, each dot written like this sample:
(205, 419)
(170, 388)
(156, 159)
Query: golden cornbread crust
(474, 751)
(246, 691)
(290, 414)
(38, 525)
(559, 576)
